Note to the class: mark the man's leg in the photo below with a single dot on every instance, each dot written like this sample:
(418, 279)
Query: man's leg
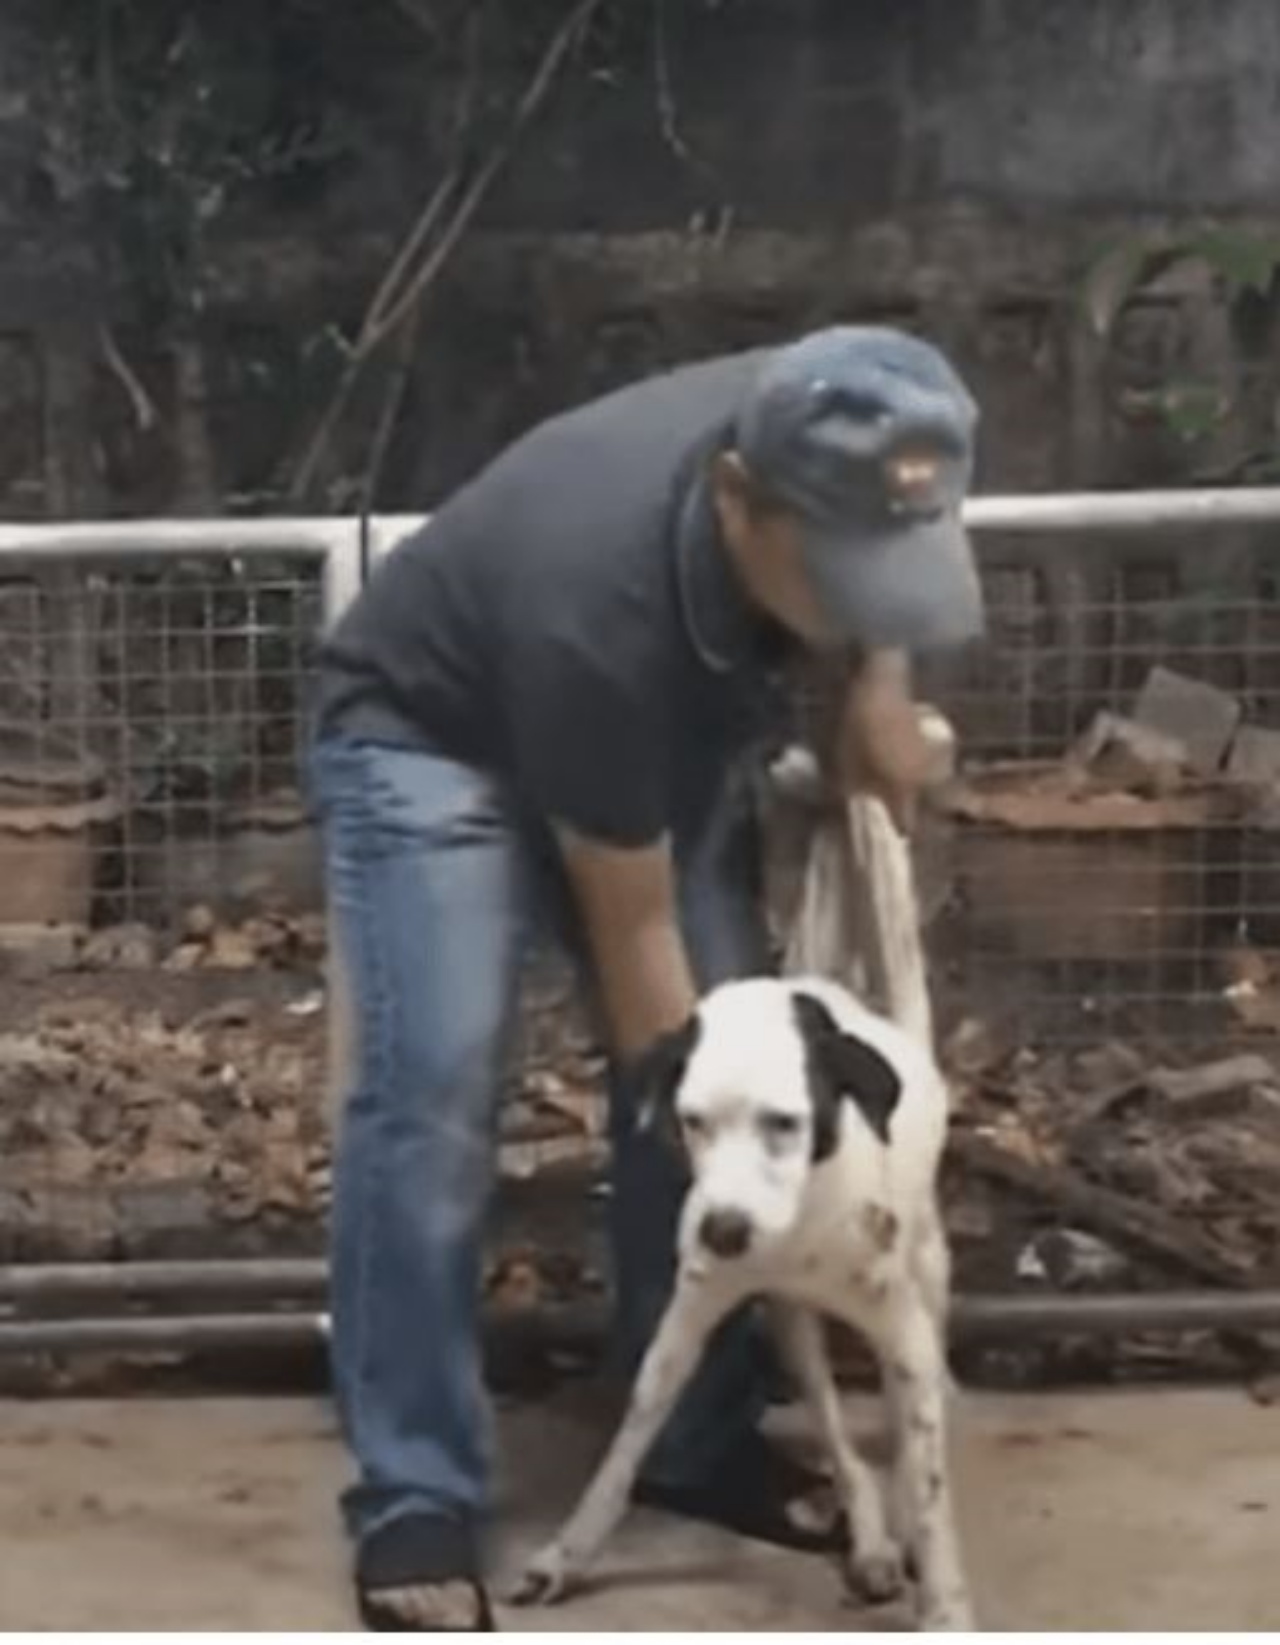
(426, 886)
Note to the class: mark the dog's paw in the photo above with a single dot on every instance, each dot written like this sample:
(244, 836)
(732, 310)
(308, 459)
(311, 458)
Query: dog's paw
(947, 1617)
(879, 1575)
(546, 1579)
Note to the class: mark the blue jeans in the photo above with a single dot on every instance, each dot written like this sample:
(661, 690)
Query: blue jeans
(437, 886)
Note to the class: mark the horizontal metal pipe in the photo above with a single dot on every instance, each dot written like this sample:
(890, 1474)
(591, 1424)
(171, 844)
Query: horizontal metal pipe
(1124, 510)
(1082, 511)
(1059, 511)
(576, 1327)
(1052, 511)
(1115, 1314)
(295, 1281)
(117, 539)
(192, 1334)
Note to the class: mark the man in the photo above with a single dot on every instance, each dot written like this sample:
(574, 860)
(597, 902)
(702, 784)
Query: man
(536, 710)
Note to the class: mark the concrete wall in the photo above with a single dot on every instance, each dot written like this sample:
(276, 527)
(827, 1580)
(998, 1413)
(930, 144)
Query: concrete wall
(708, 174)
(797, 110)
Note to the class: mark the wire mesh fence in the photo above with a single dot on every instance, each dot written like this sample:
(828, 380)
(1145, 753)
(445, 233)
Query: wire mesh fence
(161, 904)
(152, 719)
(151, 723)
(1111, 862)
(1102, 889)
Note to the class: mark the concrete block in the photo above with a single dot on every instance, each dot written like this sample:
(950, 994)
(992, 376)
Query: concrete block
(32, 949)
(1200, 716)
(1131, 756)
(1255, 756)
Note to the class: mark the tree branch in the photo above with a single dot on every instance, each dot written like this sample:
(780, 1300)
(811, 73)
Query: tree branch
(389, 416)
(400, 292)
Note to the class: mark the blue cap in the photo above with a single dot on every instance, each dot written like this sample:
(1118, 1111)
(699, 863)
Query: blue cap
(866, 435)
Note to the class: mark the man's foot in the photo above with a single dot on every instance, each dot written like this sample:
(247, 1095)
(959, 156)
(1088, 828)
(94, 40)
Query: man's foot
(761, 1493)
(417, 1574)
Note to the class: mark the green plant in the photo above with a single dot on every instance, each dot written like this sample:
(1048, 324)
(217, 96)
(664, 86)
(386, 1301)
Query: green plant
(1243, 267)
(1242, 262)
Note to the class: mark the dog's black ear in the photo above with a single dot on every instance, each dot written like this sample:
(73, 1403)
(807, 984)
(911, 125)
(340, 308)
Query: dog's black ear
(841, 1066)
(656, 1075)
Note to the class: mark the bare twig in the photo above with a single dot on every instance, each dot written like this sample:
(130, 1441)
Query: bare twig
(420, 19)
(474, 197)
(197, 467)
(667, 118)
(465, 108)
(400, 292)
(1159, 1235)
(389, 416)
(366, 342)
(437, 200)
(398, 269)
(145, 414)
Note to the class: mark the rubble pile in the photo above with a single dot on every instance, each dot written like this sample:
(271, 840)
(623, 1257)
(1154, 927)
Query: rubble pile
(123, 1123)
(171, 1101)
(1097, 1169)
(1185, 756)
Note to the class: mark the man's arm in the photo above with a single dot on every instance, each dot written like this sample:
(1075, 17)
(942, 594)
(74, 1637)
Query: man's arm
(628, 904)
(880, 744)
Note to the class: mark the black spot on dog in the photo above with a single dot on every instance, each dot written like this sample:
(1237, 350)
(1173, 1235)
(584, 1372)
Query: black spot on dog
(655, 1076)
(921, 1426)
(840, 1068)
(881, 1227)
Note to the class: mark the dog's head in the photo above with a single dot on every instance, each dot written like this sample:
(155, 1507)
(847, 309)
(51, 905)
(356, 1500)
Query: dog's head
(757, 1085)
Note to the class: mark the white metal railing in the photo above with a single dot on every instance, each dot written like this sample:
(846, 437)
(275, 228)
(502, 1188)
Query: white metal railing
(347, 545)
(349, 542)
(1124, 510)
(340, 543)
(1079, 511)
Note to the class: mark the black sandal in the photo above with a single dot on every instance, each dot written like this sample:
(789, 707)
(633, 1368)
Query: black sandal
(412, 1551)
(750, 1497)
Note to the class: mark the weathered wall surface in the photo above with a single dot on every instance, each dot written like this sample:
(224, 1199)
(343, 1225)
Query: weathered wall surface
(707, 173)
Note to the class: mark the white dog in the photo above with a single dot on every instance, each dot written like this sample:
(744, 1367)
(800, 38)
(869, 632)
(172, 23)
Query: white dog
(814, 1130)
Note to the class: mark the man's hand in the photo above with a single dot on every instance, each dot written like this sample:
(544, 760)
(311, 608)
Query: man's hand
(628, 904)
(881, 746)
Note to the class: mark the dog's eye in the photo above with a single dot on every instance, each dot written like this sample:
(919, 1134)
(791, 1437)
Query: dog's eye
(778, 1127)
(694, 1125)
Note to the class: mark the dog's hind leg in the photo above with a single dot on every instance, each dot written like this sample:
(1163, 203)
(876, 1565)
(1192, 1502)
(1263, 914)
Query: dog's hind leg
(672, 1358)
(915, 1389)
(875, 1567)
(931, 1266)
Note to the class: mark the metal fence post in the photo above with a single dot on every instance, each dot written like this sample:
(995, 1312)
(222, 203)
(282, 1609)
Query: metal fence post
(344, 574)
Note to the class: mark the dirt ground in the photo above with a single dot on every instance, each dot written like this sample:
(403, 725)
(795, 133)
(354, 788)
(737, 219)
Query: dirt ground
(1141, 1510)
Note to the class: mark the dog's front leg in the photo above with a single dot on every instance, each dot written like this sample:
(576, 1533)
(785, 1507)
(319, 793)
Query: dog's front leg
(673, 1356)
(875, 1562)
(915, 1386)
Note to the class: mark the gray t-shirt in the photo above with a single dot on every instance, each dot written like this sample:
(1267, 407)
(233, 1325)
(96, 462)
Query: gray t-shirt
(570, 621)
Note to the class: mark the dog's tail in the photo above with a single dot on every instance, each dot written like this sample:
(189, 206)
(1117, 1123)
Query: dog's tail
(858, 921)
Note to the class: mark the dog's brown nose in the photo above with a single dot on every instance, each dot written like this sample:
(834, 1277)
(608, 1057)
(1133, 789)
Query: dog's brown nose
(725, 1233)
